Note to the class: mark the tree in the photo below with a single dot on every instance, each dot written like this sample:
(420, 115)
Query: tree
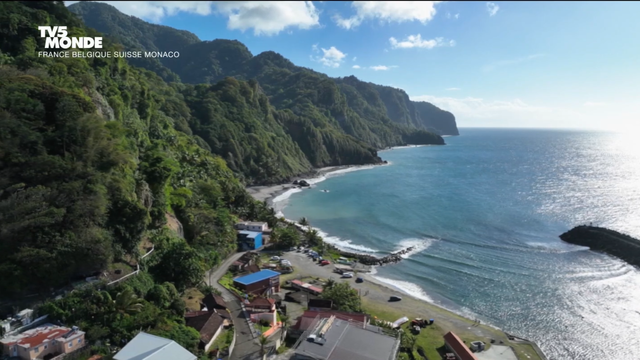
(343, 296)
(286, 237)
(179, 264)
(407, 341)
(263, 341)
(127, 302)
(330, 283)
(285, 320)
(303, 221)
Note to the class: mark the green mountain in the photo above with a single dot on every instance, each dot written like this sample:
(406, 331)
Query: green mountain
(95, 153)
(382, 116)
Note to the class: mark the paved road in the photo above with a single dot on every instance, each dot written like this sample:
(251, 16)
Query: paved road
(246, 347)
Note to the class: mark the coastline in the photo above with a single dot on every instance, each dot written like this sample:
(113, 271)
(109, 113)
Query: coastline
(378, 291)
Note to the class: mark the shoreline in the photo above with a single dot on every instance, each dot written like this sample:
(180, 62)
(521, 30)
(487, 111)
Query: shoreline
(417, 303)
(270, 192)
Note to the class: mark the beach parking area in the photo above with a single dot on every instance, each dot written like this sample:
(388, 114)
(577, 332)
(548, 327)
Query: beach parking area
(375, 298)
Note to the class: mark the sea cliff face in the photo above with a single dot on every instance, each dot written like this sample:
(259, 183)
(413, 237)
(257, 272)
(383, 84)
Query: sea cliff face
(605, 240)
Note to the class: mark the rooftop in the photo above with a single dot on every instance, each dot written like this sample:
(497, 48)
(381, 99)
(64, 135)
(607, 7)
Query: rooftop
(309, 317)
(320, 303)
(250, 234)
(34, 337)
(460, 348)
(206, 322)
(345, 340)
(150, 347)
(255, 277)
(213, 301)
(259, 301)
(253, 223)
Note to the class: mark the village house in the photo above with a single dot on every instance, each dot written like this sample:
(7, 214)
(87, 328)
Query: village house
(264, 282)
(213, 302)
(310, 316)
(252, 226)
(260, 304)
(458, 347)
(244, 261)
(44, 341)
(335, 339)
(249, 240)
(319, 304)
(209, 324)
(150, 347)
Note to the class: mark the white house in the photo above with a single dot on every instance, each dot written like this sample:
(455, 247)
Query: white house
(252, 226)
(150, 347)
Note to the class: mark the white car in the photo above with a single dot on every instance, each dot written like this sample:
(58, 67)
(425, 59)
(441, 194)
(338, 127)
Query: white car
(275, 258)
(347, 275)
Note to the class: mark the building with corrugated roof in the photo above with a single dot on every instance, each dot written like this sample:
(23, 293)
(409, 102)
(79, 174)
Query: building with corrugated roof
(262, 282)
(458, 347)
(150, 347)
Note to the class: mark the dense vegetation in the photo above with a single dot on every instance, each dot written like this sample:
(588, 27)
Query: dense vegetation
(93, 154)
(332, 121)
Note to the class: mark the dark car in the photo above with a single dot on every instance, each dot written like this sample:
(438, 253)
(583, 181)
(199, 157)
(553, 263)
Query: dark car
(395, 298)
(359, 280)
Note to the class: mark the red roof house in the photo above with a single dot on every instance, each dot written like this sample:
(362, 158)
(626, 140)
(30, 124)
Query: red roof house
(458, 347)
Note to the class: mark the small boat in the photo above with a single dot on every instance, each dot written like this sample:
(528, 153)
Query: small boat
(324, 190)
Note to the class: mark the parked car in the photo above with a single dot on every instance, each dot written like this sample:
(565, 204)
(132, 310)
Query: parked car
(359, 280)
(324, 262)
(395, 298)
(275, 258)
(347, 275)
(292, 249)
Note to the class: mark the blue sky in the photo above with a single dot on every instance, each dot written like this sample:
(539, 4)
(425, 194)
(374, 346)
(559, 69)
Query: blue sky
(511, 64)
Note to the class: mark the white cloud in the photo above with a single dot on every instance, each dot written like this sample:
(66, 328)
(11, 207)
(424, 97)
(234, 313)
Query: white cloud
(388, 11)
(502, 63)
(356, 66)
(452, 89)
(492, 8)
(331, 57)
(264, 17)
(456, 16)
(382, 67)
(593, 104)
(354, 58)
(415, 41)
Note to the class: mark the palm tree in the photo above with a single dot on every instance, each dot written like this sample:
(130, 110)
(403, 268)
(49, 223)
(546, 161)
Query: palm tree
(303, 221)
(263, 341)
(407, 341)
(330, 283)
(127, 302)
(285, 321)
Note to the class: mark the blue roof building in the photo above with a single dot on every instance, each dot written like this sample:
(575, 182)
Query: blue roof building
(262, 282)
(249, 240)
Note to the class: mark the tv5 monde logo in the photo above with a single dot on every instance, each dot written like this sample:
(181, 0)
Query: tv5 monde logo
(56, 37)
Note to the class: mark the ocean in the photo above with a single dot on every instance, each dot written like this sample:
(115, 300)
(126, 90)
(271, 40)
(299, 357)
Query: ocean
(484, 213)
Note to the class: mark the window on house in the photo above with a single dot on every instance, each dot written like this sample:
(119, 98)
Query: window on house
(79, 341)
(36, 349)
(46, 346)
(71, 344)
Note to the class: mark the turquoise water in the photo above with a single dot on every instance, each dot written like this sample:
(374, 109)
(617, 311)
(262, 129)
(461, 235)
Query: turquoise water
(485, 212)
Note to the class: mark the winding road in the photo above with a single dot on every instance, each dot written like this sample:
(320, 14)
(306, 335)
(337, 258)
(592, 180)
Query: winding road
(247, 346)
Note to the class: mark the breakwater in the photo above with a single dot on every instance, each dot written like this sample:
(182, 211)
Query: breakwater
(605, 240)
(366, 259)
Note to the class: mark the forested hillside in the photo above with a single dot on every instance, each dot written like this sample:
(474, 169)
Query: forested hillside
(94, 153)
(288, 86)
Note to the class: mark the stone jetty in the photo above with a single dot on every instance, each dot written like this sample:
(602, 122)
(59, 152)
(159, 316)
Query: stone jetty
(365, 259)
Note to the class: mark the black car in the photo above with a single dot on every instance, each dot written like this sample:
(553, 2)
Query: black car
(395, 298)
(359, 280)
